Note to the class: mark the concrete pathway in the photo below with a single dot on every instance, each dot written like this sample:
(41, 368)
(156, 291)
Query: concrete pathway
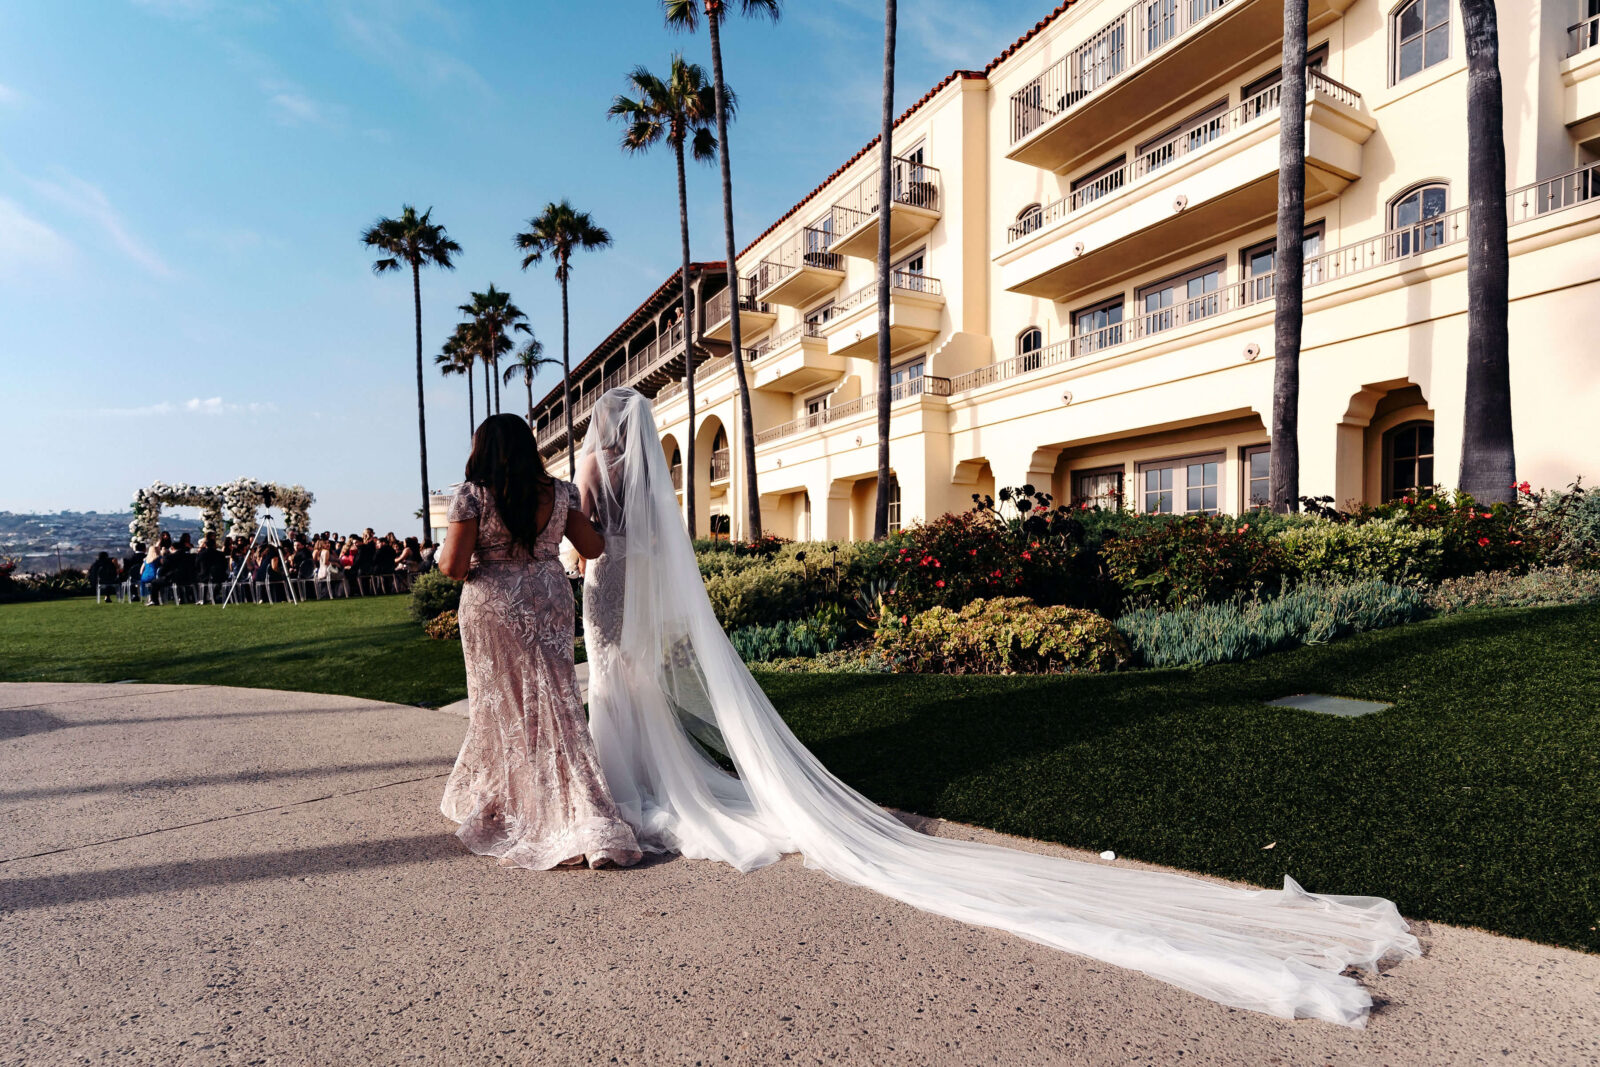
(207, 875)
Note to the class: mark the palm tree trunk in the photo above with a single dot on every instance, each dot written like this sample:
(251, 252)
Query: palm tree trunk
(880, 515)
(746, 421)
(688, 331)
(472, 414)
(527, 382)
(422, 419)
(1488, 453)
(566, 377)
(497, 408)
(488, 397)
(1288, 263)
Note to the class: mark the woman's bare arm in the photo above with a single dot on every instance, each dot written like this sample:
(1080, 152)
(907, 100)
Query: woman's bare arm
(582, 533)
(455, 555)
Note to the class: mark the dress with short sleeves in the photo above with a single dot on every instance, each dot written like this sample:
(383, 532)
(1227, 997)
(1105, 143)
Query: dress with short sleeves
(527, 786)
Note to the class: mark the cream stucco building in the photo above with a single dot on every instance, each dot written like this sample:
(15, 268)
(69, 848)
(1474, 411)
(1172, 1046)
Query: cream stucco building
(1082, 289)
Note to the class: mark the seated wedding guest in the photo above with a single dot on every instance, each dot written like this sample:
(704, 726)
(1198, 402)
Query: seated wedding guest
(102, 573)
(213, 563)
(149, 571)
(301, 564)
(133, 561)
(429, 551)
(410, 558)
(383, 556)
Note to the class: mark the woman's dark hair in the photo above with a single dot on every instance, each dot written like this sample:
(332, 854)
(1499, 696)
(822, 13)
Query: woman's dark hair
(506, 462)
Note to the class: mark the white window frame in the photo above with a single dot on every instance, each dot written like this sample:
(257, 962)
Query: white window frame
(1180, 482)
(1396, 42)
(1246, 454)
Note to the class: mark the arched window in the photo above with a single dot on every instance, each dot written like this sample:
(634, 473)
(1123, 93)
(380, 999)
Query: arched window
(1409, 219)
(1419, 37)
(1029, 219)
(1408, 458)
(719, 443)
(1029, 344)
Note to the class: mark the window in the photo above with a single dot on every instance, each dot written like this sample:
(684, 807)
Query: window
(817, 405)
(1097, 489)
(1029, 344)
(1097, 327)
(1257, 464)
(1408, 458)
(1257, 263)
(913, 182)
(1420, 37)
(894, 504)
(1410, 230)
(909, 274)
(1186, 486)
(1029, 219)
(906, 379)
(1183, 298)
(819, 238)
(1255, 105)
(1192, 133)
(1097, 183)
(819, 315)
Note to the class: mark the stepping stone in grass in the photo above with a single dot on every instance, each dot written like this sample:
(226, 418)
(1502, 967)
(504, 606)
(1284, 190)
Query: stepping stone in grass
(1329, 705)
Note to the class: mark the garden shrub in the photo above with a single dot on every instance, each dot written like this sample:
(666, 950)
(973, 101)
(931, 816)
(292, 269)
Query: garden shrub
(856, 659)
(1193, 559)
(68, 582)
(1543, 586)
(1475, 537)
(758, 595)
(444, 627)
(821, 632)
(1003, 635)
(1390, 550)
(1311, 614)
(433, 594)
(1563, 524)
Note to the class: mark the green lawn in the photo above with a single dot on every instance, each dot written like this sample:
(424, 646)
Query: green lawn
(1474, 800)
(362, 647)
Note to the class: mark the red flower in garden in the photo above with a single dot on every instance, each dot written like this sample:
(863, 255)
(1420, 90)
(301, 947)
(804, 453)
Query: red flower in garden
(972, 552)
(939, 584)
(1433, 507)
(1514, 542)
(996, 574)
(1027, 556)
(1483, 542)
(1525, 487)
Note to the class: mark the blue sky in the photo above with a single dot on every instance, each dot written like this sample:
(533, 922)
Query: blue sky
(183, 293)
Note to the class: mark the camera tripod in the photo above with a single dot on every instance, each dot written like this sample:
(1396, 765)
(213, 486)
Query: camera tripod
(269, 529)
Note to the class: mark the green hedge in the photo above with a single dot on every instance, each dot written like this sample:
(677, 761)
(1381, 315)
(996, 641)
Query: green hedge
(1003, 635)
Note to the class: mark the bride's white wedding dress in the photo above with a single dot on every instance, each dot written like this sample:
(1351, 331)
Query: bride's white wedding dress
(666, 689)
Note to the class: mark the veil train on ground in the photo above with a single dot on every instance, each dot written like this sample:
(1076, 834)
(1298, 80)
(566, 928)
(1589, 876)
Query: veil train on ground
(670, 701)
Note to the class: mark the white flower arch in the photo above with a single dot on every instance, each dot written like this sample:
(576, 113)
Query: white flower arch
(240, 499)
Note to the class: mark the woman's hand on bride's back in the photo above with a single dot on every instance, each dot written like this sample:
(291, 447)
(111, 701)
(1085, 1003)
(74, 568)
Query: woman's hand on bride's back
(584, 537)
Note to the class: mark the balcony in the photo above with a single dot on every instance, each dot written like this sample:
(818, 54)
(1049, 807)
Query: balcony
(720, 466)
(796, 359)
(913, 212)
(801, 270)
(916, 313)
(1400, 248)
(926, 385)
(1202, 186)
(1129, 69)
(754, 315)
(1580, 73)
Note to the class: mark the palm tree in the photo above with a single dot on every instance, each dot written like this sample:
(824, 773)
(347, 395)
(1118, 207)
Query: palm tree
(457, 356)
(558, 231)
(416, 240)
(1288, 264)
(685, 15)
(494, 316)
(529, 358)
(1488, 453)
(678, 110)
(880, 515)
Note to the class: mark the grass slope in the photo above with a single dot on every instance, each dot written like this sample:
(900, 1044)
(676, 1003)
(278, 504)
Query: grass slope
(1474, 800)
(363, 647)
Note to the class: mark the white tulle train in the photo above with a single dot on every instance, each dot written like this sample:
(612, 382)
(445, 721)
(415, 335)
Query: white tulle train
(667, 689)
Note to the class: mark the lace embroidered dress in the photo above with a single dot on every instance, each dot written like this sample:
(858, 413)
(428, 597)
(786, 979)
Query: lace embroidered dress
(527, 786)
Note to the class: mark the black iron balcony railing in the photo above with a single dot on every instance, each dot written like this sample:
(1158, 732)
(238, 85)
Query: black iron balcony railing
(1175, 148)
(1584, 35)
(810, 247)
(1118, 47)
(901, 280)
(719, 307)
(721, 464)
(779, 342)
(925, 385)
(911, 182)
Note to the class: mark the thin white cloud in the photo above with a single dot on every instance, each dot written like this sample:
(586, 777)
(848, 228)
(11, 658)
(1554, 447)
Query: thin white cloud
(90, 202)
(213, 405)
(9, 96)
(382, 42)
(28, 245)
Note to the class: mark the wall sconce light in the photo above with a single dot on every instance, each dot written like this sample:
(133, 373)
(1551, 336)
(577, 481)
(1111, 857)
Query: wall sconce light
(1251, 351)
(1066, 397)
(1077, 249)
(1180, 203)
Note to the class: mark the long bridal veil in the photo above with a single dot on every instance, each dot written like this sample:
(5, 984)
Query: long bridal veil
(671, 703)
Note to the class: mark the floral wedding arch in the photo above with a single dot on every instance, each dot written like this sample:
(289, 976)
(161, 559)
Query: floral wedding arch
(240, 499)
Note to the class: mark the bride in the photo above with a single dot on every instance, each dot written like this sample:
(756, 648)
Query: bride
(671, 703)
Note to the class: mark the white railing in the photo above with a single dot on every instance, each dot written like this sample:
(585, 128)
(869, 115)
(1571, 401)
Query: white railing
(912, 182)
(1525, 203)
(1177, 147)
(810, 248)
(1118, 47)
(1585, 34)
(925, 385)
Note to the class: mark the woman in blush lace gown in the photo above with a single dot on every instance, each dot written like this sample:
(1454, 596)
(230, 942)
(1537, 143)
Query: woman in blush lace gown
(527, 786)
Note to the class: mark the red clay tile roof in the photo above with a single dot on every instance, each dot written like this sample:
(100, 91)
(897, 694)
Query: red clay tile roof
(672, 287)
